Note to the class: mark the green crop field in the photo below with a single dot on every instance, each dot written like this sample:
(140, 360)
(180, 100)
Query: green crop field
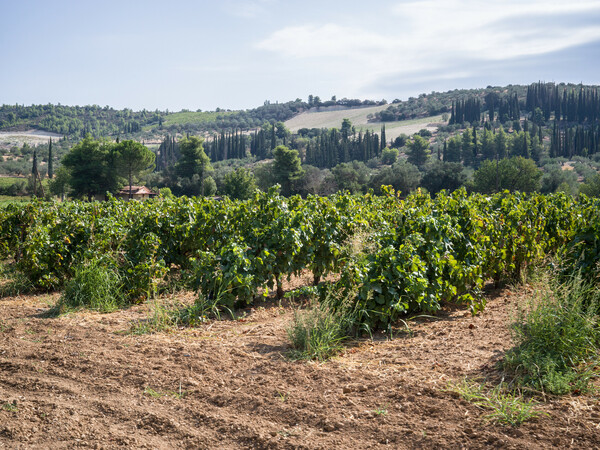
(8, 181)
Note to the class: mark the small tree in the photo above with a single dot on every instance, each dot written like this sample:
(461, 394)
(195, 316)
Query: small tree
(418, 151)
(389, 156)
(239, 184)
(287, 168)
(591, 187)
(452, 150)
(402, 176)
(193, 160)
(514, 174)
(133, 159)
(91, 166)
(59, 185)
(50, 160)
(443, 175)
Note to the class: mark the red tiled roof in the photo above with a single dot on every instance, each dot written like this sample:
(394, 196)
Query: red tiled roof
(136, 190)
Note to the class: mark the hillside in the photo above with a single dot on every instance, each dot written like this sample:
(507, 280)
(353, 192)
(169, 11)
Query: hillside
(330, 118)
(360, 118)
(76, 121)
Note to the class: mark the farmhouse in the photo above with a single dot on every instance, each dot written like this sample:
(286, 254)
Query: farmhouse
(137, 193)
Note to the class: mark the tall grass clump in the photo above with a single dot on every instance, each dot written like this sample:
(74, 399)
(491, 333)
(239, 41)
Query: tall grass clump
(13, 282)
(557, 337)
(318, 332)
(96, 285)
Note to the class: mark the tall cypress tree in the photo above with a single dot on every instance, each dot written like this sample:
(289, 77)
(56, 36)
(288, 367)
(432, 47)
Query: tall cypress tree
(34, 167)
(50, 163)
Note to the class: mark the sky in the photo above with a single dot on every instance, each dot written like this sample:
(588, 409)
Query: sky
(237, 54)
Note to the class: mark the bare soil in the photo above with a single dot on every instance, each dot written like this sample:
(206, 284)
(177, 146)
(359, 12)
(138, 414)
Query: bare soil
(82, 380)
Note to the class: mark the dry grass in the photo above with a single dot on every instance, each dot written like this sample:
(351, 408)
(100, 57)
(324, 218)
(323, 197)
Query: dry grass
(358, 117)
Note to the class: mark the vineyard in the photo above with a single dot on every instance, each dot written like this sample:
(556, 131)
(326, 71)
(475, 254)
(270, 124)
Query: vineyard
(396, 256)
(426, 367)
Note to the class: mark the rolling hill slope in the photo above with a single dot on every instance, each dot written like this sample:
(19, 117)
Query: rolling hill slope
(331, 118)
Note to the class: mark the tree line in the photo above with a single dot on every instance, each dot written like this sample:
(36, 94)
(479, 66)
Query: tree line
(568, 103)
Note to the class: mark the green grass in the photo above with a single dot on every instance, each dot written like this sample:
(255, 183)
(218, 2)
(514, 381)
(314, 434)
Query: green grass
(158, 394)
(505, 407)
(165, 317)
(183, 118)
(11, 407)
(557, 337)
(319, 332)
(13, 282)
(96, 285)
(8, 181)
(8, 199)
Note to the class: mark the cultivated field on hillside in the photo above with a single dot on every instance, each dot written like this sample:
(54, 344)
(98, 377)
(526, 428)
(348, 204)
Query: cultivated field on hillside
(358, 117)
(10, 139)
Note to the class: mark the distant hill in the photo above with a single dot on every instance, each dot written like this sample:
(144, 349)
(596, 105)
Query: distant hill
(76, 121)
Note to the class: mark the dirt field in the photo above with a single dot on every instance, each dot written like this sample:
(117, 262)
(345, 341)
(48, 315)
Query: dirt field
(358, 117)
(82, 380)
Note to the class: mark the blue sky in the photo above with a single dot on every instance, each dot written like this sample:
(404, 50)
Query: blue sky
(236, 54)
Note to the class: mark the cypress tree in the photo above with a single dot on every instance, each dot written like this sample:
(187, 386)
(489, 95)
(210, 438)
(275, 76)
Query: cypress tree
(50, 163)
(34, 167)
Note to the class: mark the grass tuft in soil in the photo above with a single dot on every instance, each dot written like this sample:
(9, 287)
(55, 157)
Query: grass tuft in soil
(13, 283)
(318, 332)
(96, 285)
(167, 316)
(507, 407)
(557, 337)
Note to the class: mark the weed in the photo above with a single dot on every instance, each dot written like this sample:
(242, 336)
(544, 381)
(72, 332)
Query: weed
(162, 318)
(96, 285)
(157, 394)
(166, 317)
(381, 410)
(282, 396)
(4, 327)
(557, 338)
(316, 333)
(14, 283)
(507, 408)
(11, 407)
(319, 332)
(152, 393)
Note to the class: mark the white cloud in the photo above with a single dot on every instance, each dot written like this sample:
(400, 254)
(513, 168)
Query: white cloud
(419, 39)
(329, 40)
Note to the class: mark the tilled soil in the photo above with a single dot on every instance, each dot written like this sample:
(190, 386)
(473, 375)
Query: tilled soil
(82, 380)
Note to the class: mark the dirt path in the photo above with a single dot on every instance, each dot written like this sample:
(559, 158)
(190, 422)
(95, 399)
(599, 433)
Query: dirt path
(81, 381)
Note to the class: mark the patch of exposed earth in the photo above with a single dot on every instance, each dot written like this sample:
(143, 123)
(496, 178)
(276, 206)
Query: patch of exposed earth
(81, 380)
